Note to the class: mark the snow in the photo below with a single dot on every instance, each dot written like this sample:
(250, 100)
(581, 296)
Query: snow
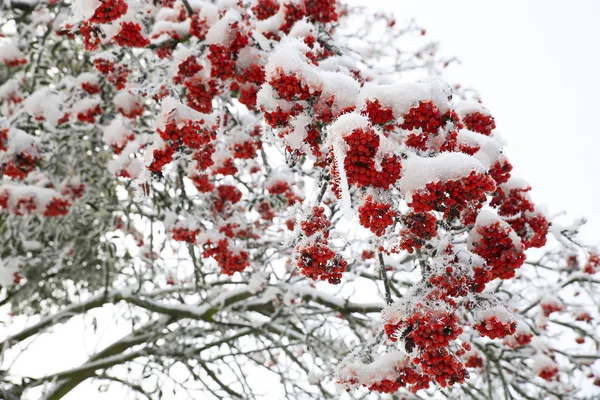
(88, 77)
(345, 124)
(249, 55)
(173, 110)
(20, 141)
(289, 55)
(126, 101)
(400, 97)
(468, 107)
(9, 88)
(295, 139)
(302, 29)
(44, 103)
(9, 51)
(182, 29)
(257, 282)
(219, 31)
(418, 171)
(500, 312)
(116, 132)
(208, 11)
(123, 162)
(490, 150)
(343, 87)
(7, 271)
(339, 152)
(382, 368)
(515, 183)
(41, 196)
(84, 9)
(265, 99)
(485, 218)
(81, 106)
(541, 362)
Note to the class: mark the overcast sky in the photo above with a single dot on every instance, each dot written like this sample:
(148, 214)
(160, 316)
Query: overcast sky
(536, 65)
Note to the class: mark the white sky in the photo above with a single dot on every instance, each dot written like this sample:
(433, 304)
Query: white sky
(536, 65)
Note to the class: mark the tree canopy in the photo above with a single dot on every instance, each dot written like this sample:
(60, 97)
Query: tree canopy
(273, 191)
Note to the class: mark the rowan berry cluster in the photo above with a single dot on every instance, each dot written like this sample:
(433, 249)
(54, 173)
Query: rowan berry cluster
(359, 162)
(493, 327)
(57, 207)
(592, 264)
(319, 262)
(501, 253)
(89, 115)
(230, 261)
(376, 216)
(108, 11)
(130, 35)
(418, 228)
(453, 196)
(183, 234)
(226, 194)
(478, 122)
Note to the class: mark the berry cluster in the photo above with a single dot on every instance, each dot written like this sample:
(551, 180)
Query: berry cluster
(531, 227)
(226, 194)
(193, 134)
(56, 207)
(550, 306)
(494, 328)
(500, 171)
(432, 329)
(498, 249)
(317, 261)
(453, 196)
(130, 35)
(425, 116)
(359, 162)
(321, 10)
(186, 69)
(90, 88)
(108, 11)
(548, 372)
(478, 122)
(592, 264)
(264, 9)
(229, 260)
(317, 222)
(376, 216)
(474, 360)
(444, 367)
(419, 228)
(161, 157)
(183, 234)
(202, 183)
(89, 115)
(19, 165)
(290, 86)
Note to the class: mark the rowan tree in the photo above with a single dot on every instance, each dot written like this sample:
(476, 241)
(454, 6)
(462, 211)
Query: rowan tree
(273, 191)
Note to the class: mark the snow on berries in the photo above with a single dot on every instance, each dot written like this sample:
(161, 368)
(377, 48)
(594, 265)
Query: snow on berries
(108, 11)
(418, 229)
(476, 118)
(496, 242)
(376, 216)
(544, 367)
(10, 54)
(130, 35)
(496, 323)
(318, 261)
